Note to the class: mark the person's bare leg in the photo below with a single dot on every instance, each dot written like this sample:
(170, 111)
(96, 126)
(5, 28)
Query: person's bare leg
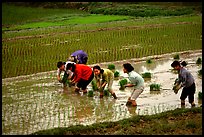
(128, 102)
(193, 104)
(84, 91)
(134, 103)
(182, 103)
(112, 93)
(77, 89)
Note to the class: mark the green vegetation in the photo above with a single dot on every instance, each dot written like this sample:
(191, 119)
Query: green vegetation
(175, 122)
(146, 75)
(149, 61)
(34, 39)
(199, 61)
(94, 85)
(176, 57)
(116, 74)
(200, 72)
(111, 66)
(122, 83)
(199, 95)
(155, 87)
(106, 92)
(90, 93)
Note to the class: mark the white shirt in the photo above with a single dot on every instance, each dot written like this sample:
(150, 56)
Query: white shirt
(69, 72)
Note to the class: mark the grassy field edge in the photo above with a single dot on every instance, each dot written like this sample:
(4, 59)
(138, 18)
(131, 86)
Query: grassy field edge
(186, 120)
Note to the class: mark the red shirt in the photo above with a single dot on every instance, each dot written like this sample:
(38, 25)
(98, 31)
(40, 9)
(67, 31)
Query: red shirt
(82, 72)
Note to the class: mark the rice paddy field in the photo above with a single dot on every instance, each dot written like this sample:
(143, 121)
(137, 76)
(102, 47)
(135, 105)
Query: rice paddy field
(32, 98)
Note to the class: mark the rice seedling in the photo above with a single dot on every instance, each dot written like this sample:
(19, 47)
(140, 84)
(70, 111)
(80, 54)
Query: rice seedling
(122, 83)
(149, 61)
(94, 85)
(155, 87)
(176, 56)
(106, 92)
(90, 93)
(146, 75)
(111, 66)
(116, 74)
(199, 61)
(200, 72)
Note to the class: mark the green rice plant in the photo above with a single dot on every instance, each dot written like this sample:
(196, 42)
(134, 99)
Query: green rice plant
(94, 85)
(176, 57)
(111, 66)
(146, 75)
(199, 61)
(106, 92)
(200, 72)
(155, 87)
(199, 95)
(90, 93)
(148, 61)
(116, 74)
(122, 83)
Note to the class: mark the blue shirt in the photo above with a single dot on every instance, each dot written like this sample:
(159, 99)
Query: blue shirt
(185, 77)
(79, 54)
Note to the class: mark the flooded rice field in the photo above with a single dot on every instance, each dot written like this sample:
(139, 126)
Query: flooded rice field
(37, 102)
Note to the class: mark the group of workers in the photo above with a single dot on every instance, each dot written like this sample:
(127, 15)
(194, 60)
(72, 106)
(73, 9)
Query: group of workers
(80, 76)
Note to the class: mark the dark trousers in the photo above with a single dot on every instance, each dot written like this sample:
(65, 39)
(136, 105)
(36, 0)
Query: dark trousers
(189, 91)
(84, 83)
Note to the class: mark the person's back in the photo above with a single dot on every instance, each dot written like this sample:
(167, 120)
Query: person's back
(80, 57)
(136, 78)
(82, 71)
(107, 75)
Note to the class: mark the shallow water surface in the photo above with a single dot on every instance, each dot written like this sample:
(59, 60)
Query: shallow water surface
(39, 101)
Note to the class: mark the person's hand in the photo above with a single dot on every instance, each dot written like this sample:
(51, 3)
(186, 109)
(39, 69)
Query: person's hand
(176, 88)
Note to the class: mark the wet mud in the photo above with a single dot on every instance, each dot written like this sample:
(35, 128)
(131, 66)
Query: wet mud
(39, 101)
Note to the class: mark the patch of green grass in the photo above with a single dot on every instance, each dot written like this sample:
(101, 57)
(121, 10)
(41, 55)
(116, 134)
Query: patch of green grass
(178, 121)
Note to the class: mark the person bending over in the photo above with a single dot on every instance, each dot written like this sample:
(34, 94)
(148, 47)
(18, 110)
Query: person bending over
(103, 77)
(83, 75)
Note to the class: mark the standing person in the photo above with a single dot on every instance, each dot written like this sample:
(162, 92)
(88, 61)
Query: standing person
(67, 73)
(186, 79)
(83, 75)
(79, 57)
(136, 81)
(103, 77)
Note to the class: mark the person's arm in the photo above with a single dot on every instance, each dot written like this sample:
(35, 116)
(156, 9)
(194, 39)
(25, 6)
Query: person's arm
(97, 81)
(130, 85)
(78, 75)
(58, 76)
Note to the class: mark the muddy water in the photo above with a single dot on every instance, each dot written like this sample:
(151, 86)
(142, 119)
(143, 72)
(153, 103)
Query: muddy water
(37, 102)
